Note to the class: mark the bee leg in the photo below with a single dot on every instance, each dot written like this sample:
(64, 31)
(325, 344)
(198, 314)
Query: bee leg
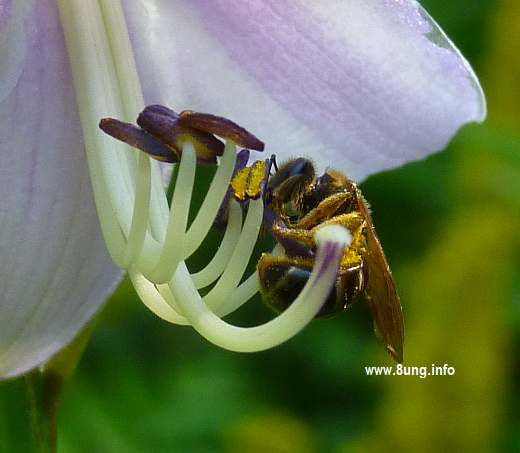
(354, 279)
(326, 209)
(295, 241)
(353, 255)
(351, 285)
(351, 221)
(359, 238)
(283, 234)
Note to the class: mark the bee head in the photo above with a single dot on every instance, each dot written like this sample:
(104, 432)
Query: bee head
(285, 189)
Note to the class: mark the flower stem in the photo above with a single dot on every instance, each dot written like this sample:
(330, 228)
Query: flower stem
(43, 393)
(44, 388)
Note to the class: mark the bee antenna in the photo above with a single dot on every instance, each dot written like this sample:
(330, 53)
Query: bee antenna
(273, 162)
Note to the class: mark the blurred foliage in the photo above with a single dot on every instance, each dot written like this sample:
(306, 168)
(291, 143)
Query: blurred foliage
(450, 228)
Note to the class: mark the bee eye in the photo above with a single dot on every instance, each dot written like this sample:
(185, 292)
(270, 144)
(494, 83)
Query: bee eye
(298, 167)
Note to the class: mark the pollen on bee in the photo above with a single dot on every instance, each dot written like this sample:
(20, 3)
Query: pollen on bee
(256, 179)
(239, 184)
(248, 183)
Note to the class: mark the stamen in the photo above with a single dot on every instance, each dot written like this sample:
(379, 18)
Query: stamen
(242, 294)
(164, 124)
(100, 88)
(155, 301)
(222, 127)
(331, 241)
(96, 94)
(211, 204)
(146, 237)
(241, 255)
(132, 101)
(216, 266)
(245, 291)
(164, 291)
(140, 213)
(172, 249)
(138, 138)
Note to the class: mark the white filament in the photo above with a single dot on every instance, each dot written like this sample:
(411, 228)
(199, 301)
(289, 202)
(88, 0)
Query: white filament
(208, 211)
(142, 233)
(331, 243)
(219, 262)
(173, 246)
(241, 255)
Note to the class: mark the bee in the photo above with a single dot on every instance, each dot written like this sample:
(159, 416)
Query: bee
(297, 202)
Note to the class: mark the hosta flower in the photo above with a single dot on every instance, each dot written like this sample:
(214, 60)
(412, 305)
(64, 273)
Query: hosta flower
(364, 85)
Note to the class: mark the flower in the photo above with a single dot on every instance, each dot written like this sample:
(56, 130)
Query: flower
(362, 85)
(54, 269)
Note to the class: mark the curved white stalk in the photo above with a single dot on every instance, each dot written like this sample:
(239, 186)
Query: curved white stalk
(245, 291)
(140, 233)
(153, 299)
(133, 102)
(101, 84)
(242, 294)
(173, 247)
(331, 241)
(164, 291)
(241, 255)
(97, 95)
(217, 265)
(95, 98)
(140, 213)
(209, 208)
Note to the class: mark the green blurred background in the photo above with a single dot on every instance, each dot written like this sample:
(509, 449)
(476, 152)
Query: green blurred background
(450, 227)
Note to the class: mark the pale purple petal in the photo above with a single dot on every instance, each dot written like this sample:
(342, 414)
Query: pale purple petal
(54, 269)
(363, 85)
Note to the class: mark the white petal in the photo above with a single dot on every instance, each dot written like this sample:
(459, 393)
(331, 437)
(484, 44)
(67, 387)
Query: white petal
(362, 85)
(54, 269)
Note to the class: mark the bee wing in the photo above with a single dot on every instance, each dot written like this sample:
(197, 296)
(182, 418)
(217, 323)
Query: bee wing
(382, 296)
